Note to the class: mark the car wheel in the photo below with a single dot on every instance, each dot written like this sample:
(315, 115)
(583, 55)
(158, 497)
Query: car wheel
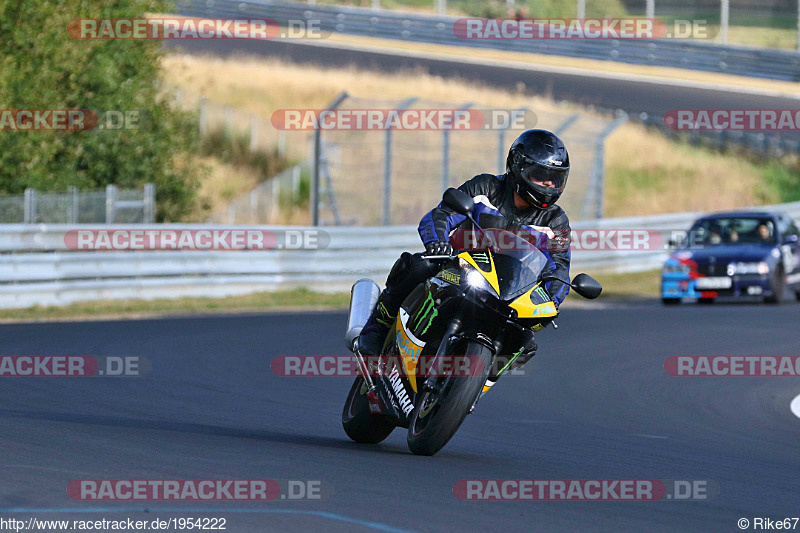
(676, 301)
(778, 286)
(706, 301)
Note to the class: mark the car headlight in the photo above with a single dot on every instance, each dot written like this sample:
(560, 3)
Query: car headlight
(748, 268)
(676, 268)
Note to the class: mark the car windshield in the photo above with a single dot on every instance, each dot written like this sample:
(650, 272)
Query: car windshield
(519, 264)
(731, 231)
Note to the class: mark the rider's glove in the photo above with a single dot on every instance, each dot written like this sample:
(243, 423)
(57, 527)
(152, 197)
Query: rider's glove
(438, 248)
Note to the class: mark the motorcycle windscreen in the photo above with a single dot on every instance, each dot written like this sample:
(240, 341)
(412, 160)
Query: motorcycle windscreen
(518, 270)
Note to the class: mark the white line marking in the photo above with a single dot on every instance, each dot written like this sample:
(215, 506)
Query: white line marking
(795, 406)
(574, 71)
(646, 436)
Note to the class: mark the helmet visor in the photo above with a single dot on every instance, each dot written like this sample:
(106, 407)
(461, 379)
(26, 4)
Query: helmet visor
(544, 177)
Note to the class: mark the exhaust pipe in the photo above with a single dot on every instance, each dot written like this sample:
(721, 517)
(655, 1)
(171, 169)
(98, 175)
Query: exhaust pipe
(363, 298)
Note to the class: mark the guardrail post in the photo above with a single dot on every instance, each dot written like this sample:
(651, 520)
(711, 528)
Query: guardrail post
(111, 203)
(581, 9)
(72, 216)
(149, 207)
(724, 12)
(29, 208)
(314, 193)
(295, 182)
(651, 9)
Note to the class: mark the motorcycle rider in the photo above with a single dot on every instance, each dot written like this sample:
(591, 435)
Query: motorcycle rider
(521, 201)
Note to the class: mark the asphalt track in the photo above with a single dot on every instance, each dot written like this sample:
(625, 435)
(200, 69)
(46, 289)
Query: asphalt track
(598, 405)
(587, 89)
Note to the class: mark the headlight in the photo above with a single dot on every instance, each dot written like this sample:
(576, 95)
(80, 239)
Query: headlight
(475, 279)
(676, 268)
(748, 268)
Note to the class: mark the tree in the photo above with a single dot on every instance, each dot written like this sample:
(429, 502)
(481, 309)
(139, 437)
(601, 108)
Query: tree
(42, 67)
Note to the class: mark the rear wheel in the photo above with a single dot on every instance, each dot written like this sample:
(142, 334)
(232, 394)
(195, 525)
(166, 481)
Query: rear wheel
(359, 424)
(437, 416)
(778, 286)
(706, 301)
(670, 301)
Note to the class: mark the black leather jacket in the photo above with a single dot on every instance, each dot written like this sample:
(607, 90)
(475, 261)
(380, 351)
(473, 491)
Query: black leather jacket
(494, 208)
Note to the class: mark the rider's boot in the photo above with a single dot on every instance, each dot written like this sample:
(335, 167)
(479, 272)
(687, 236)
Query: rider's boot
(372, 337)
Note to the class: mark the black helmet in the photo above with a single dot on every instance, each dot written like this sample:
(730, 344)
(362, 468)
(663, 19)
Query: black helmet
(538, 155)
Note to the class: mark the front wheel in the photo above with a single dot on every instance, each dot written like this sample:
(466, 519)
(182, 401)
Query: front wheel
(670, 301)
(359, 424)
(437, 416)
(778, 285)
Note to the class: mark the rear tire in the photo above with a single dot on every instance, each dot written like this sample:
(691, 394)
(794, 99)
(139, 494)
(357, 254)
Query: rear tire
(670, 301)
(359, 424)
(778, 288)
(706, 301)
(436, 417)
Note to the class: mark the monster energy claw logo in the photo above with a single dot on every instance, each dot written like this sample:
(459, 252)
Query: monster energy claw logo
(427, 310)
(481, 257)
(542, 293)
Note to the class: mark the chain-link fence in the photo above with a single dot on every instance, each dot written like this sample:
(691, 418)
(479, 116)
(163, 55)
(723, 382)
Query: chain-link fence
(113, 205)
(271, 202)
(394, 176)
(259, 131)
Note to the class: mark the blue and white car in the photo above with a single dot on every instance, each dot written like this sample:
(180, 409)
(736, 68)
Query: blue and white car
(749, 253)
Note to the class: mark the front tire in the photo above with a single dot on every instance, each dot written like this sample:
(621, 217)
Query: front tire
(670, 301)
(437, 417)
(359, 424)
(778, 286)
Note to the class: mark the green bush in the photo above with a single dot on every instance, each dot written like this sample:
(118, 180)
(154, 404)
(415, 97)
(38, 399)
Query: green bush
(44, 68)
(234, 149)
(781, 181)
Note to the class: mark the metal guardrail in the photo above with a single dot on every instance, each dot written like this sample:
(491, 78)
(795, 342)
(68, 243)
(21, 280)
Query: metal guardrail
(705, 56)
(37, 267)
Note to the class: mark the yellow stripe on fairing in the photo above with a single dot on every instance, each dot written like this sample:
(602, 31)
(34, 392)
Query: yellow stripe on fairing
(527, 309)
(490, 276)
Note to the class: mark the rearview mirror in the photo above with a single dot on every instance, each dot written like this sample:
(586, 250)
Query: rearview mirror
(458, 201)
(790, 239)
(587, 286)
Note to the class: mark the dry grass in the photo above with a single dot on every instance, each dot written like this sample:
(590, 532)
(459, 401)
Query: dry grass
(262, 86)
(647, 173)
